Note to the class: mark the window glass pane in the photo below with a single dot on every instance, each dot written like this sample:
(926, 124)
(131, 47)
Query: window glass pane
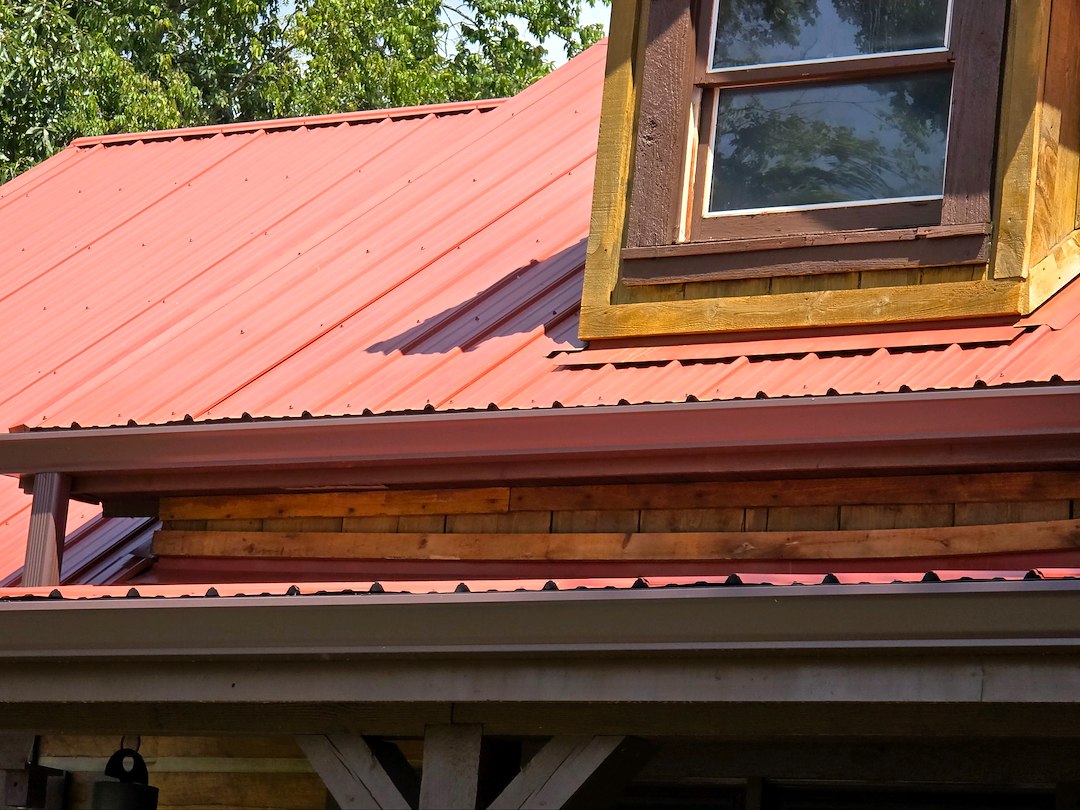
(828, 143)
(755, 32)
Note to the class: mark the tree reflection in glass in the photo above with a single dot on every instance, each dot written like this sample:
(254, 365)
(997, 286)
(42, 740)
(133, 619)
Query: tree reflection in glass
(755, 32)
(830, 142)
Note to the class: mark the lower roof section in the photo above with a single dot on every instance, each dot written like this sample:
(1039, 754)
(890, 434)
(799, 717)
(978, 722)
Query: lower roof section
(541, 662)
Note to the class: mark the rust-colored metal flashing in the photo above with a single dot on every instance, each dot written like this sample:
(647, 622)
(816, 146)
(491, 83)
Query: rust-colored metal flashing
(952, 430)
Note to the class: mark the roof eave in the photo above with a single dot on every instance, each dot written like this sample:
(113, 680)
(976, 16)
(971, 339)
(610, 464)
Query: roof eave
(101, 663)
(976, 429)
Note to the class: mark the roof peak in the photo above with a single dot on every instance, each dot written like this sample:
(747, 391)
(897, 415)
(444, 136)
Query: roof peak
(359, 117)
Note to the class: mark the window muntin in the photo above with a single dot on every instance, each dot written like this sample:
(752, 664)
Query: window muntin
(779, 32)
(827, 144)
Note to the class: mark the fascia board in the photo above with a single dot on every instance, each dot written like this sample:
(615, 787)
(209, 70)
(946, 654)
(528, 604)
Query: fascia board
(939, 430)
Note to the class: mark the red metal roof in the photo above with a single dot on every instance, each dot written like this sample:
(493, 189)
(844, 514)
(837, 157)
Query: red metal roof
(384, 261)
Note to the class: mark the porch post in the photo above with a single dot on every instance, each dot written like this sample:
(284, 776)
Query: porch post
(450, 775)
(48, 524)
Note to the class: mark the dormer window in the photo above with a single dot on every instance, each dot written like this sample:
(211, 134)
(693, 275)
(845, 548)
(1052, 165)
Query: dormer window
(814, 136)
(779, 164)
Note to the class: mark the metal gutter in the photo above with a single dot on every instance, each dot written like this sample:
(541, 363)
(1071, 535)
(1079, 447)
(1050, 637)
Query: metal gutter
(941, 431)
(912, 617)
(294, 664)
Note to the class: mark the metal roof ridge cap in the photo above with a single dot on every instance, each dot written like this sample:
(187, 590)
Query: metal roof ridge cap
(360, 116)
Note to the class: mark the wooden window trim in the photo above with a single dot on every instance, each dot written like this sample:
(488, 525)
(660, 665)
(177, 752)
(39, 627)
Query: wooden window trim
(669, 241)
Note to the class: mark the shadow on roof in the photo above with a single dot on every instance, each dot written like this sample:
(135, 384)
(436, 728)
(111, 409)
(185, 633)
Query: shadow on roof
(541, 294)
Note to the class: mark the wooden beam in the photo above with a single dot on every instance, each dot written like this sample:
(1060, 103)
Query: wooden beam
(882, 490)
(1047, 535)
(451, 769)
(575, 772)
(614, 154)
(1018, 136)
(962, 299)
(352, 773)
(48, 524)
(338, 504)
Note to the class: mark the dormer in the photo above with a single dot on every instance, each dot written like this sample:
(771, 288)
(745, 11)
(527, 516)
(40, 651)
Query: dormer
(771, 165)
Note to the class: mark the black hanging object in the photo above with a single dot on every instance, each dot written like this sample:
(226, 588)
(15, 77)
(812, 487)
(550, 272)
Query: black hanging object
(126, 786)
(35, 786)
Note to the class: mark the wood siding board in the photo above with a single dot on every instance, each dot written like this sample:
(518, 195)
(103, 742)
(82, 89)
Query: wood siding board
(1043, 535)
(803, 518)
(848, 257)
(321, 524)
(968, 514)
(1059, 133)
(338, 504)
(1059, 267)
(511, 522)
(827, 307)
(234, 525)
(895, 516)
(200, 526)
(805, 240)
(384, 523)
(692, 520)
(655, 199)
(419, 523)
(1018, 131)
(978, 33)
(740, 288)
(907, 489)
(828, 281)
(599, 520)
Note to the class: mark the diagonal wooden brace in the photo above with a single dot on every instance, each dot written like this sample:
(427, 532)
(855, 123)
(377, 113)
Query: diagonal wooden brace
(575, 772)
(352, 772)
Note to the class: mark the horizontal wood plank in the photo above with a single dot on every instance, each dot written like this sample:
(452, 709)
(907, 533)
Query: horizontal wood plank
(698, 546)
(819, 259)
(803, 240)
(832, 307)
(909, 489)
(337, 504)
